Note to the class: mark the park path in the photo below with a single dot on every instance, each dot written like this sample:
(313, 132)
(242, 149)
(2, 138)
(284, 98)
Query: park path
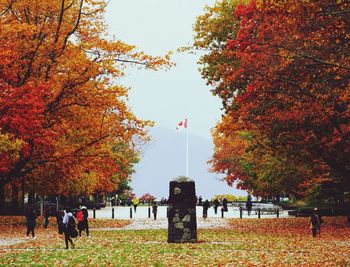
(162, 223)
(10, 241)
(140, 224)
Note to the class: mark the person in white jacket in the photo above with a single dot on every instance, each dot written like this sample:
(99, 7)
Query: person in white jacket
(69, 227)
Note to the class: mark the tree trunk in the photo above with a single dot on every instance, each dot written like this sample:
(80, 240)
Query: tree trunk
(14, 201)
(22, 196)
(2, 197)
(30, 199)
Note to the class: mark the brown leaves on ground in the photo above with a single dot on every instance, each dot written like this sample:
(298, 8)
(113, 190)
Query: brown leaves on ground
(248, 242)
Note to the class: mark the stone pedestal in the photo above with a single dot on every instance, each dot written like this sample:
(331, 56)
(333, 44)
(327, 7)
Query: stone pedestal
(182, 223)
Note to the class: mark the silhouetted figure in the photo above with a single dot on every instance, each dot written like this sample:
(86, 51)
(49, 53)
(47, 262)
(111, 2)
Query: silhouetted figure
(200, 201)
(224, 204)
(206, 206)
(216, 205)
(249, 205)
(154, 210)
(59, 220)
(31, 222)
(46, 214)
(314, 223)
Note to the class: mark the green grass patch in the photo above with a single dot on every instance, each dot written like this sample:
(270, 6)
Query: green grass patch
(225, 247)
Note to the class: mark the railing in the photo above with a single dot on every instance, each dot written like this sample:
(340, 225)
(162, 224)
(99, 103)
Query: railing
(146, 212)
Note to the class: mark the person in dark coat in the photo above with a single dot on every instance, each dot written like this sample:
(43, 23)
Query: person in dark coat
(69, 228)
(216, 205)
(154, 210)
(46, 214)
(249, 205)
(200, 201)
(314, 223)
(224, 204)
(31, 222)
(59, 220)
(206, 206)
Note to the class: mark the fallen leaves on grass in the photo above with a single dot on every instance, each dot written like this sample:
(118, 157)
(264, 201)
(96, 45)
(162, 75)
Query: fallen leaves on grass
(264, 242)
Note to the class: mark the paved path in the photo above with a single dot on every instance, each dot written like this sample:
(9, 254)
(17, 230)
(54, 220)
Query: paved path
(142, 222)
(162, 223)
(11, 241)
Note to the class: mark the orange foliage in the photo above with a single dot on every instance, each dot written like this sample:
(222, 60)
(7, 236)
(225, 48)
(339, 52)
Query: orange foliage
(61, 46)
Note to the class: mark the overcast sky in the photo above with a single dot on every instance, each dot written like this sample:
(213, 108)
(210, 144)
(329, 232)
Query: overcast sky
(166, 97)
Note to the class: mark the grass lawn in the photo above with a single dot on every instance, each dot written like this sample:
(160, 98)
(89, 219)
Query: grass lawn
(255, 242)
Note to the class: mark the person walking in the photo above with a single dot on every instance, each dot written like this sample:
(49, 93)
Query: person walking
(216, 205)
(135, 201)
(154, 210)
(249, 205)
(314, 223)
(84, 224)
(224, 204)
(80, 219)
(206, 206)
(200, 201)
(46, 214)
(59, 220)
(69, 228)
(31, 222)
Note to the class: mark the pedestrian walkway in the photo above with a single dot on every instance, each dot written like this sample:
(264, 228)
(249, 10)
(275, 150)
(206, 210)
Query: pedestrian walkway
(142, 213)
(10, 241)
(162, 223)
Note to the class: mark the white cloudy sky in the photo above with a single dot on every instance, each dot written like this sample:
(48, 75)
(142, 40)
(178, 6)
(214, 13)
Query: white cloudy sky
(157, 26)
(166, 97)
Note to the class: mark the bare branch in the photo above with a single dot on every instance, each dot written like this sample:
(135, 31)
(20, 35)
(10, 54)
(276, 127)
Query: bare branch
(75, 26)
(97, 10)
(8, 8)
(29, 69)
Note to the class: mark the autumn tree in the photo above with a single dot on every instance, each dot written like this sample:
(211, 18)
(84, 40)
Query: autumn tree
(60, 53)
(147, 198)
(289, 80)
(248, 158)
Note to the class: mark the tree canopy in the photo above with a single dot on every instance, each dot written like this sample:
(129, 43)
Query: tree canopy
(282, 72)
(63, 112)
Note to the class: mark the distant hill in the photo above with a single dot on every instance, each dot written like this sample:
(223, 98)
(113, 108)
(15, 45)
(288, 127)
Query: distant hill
(164, 159)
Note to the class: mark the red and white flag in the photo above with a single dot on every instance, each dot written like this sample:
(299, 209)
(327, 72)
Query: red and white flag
(182, 124)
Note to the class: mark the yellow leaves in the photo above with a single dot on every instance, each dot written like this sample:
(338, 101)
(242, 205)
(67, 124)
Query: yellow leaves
(85, 184)
(10, 145)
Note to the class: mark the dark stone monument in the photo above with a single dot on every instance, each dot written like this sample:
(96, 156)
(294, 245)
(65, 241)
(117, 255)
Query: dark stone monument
(182, 222)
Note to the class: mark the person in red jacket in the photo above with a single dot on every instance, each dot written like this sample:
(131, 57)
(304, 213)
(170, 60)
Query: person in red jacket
(83, 224)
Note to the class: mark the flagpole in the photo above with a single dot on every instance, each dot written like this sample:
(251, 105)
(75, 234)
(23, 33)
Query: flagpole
(187, 151)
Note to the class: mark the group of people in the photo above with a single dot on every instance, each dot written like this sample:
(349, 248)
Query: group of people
(66, 223)
(216, 203)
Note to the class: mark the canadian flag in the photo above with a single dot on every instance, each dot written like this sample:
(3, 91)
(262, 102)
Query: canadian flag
(182, 124)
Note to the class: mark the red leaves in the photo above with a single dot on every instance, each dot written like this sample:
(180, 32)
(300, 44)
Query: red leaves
(290, 84)
(21, 118)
